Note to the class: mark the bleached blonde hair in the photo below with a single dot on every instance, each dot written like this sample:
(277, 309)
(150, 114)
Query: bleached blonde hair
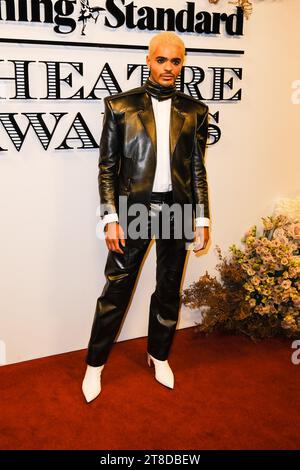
(166, 37)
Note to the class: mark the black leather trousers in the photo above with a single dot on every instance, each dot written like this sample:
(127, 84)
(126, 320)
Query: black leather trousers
(121, 271)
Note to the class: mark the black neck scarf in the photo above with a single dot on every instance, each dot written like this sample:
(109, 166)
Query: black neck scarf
(158, 91)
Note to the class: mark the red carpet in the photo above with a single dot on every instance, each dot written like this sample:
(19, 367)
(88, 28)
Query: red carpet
(230, 393)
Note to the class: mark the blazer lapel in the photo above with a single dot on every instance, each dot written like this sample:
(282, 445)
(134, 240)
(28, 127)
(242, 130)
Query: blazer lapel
(176, 124)
(147, 117)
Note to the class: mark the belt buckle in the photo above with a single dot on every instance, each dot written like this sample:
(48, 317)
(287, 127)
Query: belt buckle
(154, 208)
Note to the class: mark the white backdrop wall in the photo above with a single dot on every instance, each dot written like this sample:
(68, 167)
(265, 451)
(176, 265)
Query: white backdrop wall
(51, 262)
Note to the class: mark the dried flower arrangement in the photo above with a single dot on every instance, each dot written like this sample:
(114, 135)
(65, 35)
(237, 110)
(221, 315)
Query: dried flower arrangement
(246, 5)
(258, 293)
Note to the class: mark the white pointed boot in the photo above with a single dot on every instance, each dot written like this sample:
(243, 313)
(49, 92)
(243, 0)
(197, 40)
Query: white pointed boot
(163, 372)
(91, 385)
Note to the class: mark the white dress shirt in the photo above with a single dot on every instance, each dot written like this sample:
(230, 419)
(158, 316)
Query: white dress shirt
(162, 114)
(162, 178)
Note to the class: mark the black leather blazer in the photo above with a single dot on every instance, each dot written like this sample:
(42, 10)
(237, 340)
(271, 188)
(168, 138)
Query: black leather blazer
(128, 150)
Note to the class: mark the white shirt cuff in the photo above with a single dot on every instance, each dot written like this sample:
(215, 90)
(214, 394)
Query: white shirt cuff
(202, 222)
(110, 218)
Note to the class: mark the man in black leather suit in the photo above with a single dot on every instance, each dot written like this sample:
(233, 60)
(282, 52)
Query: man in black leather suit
(151, 153)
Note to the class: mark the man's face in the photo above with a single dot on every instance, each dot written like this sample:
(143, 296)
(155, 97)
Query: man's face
(165, 64)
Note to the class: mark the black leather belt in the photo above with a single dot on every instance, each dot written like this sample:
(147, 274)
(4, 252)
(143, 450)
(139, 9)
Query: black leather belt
(162, 197)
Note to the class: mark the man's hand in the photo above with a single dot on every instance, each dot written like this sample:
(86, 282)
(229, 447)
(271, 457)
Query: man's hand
(114, 236)
(201, 238)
